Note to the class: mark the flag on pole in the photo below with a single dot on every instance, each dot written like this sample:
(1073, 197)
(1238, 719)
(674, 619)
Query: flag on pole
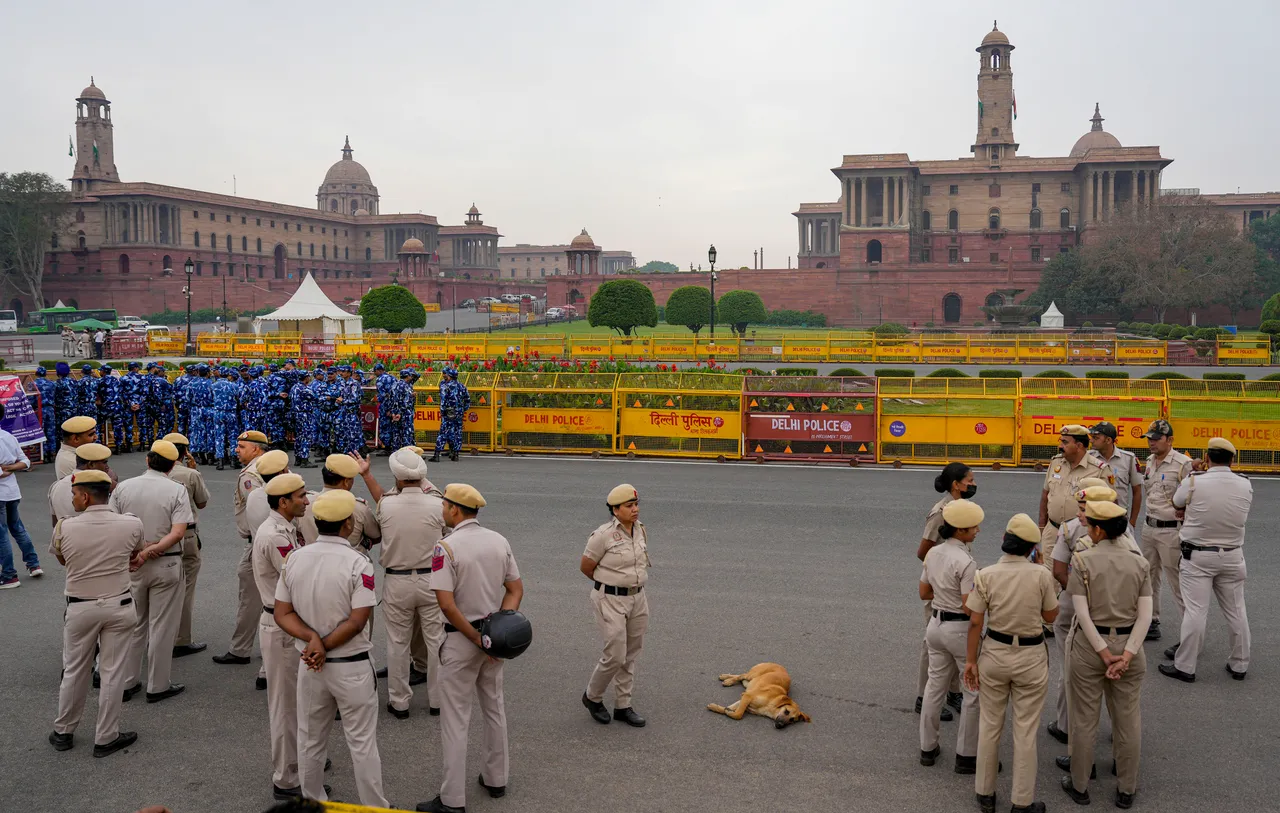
(979, 105)
(71, 150)
(1015, 107)
(95, 151)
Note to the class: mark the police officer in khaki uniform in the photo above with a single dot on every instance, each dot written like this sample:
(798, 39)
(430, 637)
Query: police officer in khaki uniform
(90, 456)
(274, 540)
(96, 546)
(617, 561)
(947, 581)
(165, 510)
(1062, 481)
(1166, 469)
(412, 522)
(1016, 598)
(256, 508)
(1124, 466)
(249, 447)
(324, 599)
(1216, 502)
(187, 473)
(339, 473)
(1111, 591)
(474, 575)
(76, 432)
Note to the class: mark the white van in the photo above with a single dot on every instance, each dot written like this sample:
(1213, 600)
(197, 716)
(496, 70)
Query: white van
(8, 322)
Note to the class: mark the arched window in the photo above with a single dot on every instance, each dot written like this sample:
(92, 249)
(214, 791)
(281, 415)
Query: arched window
(213, 241)
(81, 242)
(995, 60)
(124, 263)
(354, 205)
(244, 243)
(324, 252)
(995, 300)
(1064, 219)
(299, 248)
(197, 239)
(875, 251)
(167, 263)
(346, 253)
(951, 308)
(333, 204)
(259, 245)
(953, 220)
(228, 244)
(313, 249)
(1035, 218)
(926, 220)
(368, 254)
(993, 219)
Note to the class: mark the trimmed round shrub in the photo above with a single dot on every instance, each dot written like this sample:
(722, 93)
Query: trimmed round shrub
(1166, 375)
(1122, 325)
(1141, 328)
(392, 308)
(847, 372)
(750, 371)
(801, 371)
(1208, 334)
(1107, 374)
(1223, 377)
(1055, 374)
(1000, 372)
(1270, 377)
(1086, 323)
(1271, 308)
(1178, 332)
(1161, 331)
(1270, 326)
(947, 372)
(894, 372)
(891, 329)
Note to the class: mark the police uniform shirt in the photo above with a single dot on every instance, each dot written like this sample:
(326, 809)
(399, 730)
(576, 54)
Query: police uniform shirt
(1113, 579)
(246, 481)
(156, 500)
(1062, 481)
(1013, 593)
(65, 462)
(412, 522)
(949, 569)
(475, 568)
(272, 543)
(1069, 535)
(622, 559)
(364, 525)
(933, 522)
(97, 545)
(256, 510)
(1217, 504)
(325, 582)
(1124, 465)
(1161, 482)
(60, 504)
(193, 481)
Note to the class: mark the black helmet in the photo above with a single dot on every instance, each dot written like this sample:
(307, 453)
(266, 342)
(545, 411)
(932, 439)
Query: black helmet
(506, 633)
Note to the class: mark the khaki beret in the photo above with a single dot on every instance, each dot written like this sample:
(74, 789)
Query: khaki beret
(1103, 510)
(334, 505)
(963, 514)
(1023, 527)
(285, 484)
(93, 452)
(1221, 443)
(464, 495)
(165, 449)
(622, 494)
(1074, 429)
(273, 462)
(1096, 494)
(1089, 482)
(84, 478)
(78, 424)
(254, 436)
(342, 465)
(177, 437)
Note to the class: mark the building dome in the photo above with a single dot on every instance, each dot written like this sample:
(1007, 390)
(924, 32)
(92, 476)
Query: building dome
(360, 212)
(92, 92)
(348, 170)
(996, 37)
(1095, 138)
(413, 246)
(583, 241)
(473, 210)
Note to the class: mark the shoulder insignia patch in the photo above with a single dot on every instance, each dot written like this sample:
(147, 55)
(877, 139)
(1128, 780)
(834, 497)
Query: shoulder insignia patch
(367, 579)
(284, 550)
(248, 486)
(437, 559)
(1057, 467)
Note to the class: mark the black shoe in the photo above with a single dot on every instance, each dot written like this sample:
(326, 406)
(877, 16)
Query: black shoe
(61, 742)
(967, 766)
(434, 712)
(598, 712)
(285, 794)
(97, 679)
(174, 689)
(1153, 631)
(1065, 764)
(260, 684)
(1172, 652)
(130, 692)
(1234, 674)
(183, 650)
(927, 758)
(454, 455)
(1169, 670)
(435, 458)
(1124, 801)
(987, 804)
(399, 714)
(437, 806)
(629, 716)
(1034, 807)
(238, 660)
(1080, 797)
(955, 700)
(123, 740)
(494, 792)
(416, 678)
(328, 765)
(944, 715)
(1057, 733)
(221, 465)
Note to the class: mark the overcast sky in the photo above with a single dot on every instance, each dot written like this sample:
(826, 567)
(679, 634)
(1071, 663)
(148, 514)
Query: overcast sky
(661, 127)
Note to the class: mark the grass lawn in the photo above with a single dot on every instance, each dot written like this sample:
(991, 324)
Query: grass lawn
(581, 327)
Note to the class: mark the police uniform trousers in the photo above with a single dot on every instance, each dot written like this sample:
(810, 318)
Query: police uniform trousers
(1062, 629)
(418, 654)
(1223, 574)
(105, 625)
(190, 570)
(948, 643)
(464, 669)
(1018, 675)
(622, 621)
(1163, 552)
(249, 607)
(280, 659)
(351, 689)
(408, 602)
(1048, 538)
(1089, 685)
(157, 596)
(922, 679)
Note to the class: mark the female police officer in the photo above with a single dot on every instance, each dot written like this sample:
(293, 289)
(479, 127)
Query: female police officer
(954, 483)
(617, 560)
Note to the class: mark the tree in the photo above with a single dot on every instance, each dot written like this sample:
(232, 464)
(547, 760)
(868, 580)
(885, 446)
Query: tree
(1078, 287)
(624, 305)
(740, 308)
(33, 208)
(658, 267)
(1271, 308)
(689, 306)
(392, 308)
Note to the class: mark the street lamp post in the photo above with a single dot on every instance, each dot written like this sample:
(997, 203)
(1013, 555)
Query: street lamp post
(190, 268)
(455, 300)
(224, 295)
(711, 258)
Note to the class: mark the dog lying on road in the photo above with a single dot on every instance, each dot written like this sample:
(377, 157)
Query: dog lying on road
(766, 689)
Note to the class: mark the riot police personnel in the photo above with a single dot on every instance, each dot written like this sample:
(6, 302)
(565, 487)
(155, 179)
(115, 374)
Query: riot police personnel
(1016, 598)
(1216, 502)
(454, 403)
(1062, 482)
(1124, 466)
(186, 473)
(96, 546)
(474, 575)
(250, 446)
(48, 416)
(617, 562)
(1166, 469)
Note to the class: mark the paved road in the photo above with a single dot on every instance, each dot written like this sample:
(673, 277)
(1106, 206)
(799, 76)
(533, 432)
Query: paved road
(811, 567)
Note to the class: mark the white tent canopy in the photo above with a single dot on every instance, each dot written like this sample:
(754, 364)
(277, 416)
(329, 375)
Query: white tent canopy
(312, 313)
(1051, 317)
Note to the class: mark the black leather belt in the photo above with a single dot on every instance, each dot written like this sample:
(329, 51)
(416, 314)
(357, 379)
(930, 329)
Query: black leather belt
(1115, 630)
(943, 615)
(363, 656)
(1013, 640)
(127, 599)
(1207, 548)
(452, 628)
(172, 553)
(1164, 523)
(1055, 524)
(268, 610)
(610, 590)
(418, 572)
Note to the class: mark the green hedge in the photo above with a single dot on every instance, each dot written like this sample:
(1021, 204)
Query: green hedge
(1178, 332)
(1223, 376)
(800, 371)
(1270, 377)
(1055, 374)
(893, 372)
(848, 372)
(891, 329)
(749, 371)
(947, 372)
(1122, 325)
(1000, 372)
(1166, 375)
(1106, 374)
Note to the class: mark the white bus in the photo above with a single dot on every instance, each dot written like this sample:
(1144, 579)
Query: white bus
(8, 322)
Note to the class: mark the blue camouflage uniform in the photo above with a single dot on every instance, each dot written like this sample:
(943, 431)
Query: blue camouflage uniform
(406, 402)
(277, 390)
(48, 413)
(253, 404)
(454, 403)
(240, 377)
(385, 384)
(353, 394)
(110, 392)
(180, 400)
(64, 400)
(291, 377)
(85, 391)
(223, 423)
(302, 406)
(327, 393)
(200, 405)
(136, 388)
(160, 402)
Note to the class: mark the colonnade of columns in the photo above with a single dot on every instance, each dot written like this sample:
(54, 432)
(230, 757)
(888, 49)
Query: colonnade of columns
(143, 222)
(478, 252)
(583, 262)
(819, 235)
(1105, 194)
(878, 200)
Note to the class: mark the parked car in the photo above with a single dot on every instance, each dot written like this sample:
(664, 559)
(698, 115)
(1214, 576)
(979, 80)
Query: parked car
(488, 300)
(555, 313)
(511, 298)
(132, 322)
(468, 303)
(528, 297)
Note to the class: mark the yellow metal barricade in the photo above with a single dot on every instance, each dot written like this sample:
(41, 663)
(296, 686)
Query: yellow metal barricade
(852, 350)
(167, 346)
(249, 346)
(431, 307)
(427, 347)
(944, 349)
(545, 347)
(993, 350)
(725, 348)
(633, 348)
(346, 346)
(900, 349)
(1247, 413)
(283, 345)
(212, 345)
(934, 420)
(478, 425)
(1141, 351)
(1244, 350)
(557, 412)
(591, 348)
(1042, 350)
(669, 348)
(466, 347)
(1091, 350)
(1048, 404)
(504, 346)
(805, 348)
(387, 344)
(680, 414)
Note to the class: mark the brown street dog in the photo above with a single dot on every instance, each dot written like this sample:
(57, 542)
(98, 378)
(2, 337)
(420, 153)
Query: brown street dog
(766, 693)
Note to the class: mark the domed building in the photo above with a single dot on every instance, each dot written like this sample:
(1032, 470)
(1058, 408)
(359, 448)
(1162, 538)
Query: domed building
(347, 187)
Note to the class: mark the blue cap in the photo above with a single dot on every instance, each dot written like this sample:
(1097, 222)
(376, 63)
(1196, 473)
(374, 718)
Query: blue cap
(331, 371)
(40, 370)
(62, 368)
(135, 365)
(449, 371)
(86, 367)
(107, 368)
(273, 367)
(379, 366)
